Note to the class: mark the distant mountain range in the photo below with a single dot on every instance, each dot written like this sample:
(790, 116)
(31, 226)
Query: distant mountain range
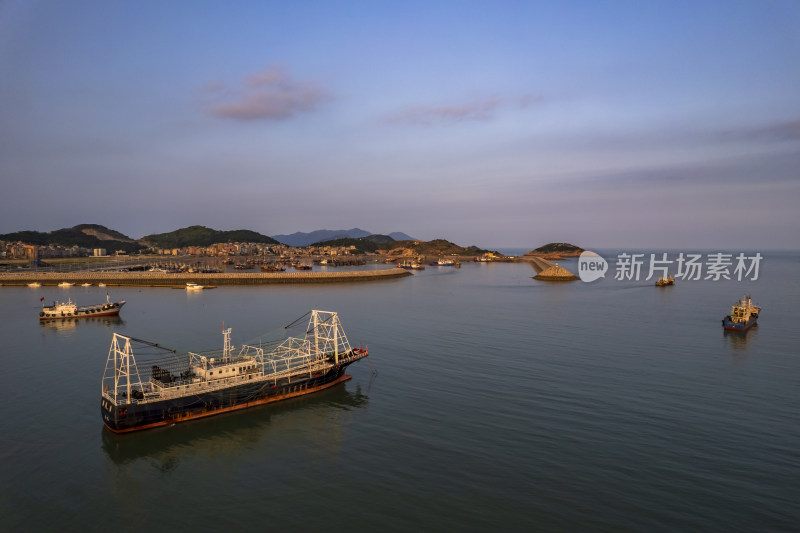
(325, 235)
(97, 236)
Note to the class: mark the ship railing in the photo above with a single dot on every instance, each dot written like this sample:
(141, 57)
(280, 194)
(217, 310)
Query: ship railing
(288, 362)
(248, 353)
(210, 385)
(155, 390)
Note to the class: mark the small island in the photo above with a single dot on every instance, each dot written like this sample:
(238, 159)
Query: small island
(555, 251)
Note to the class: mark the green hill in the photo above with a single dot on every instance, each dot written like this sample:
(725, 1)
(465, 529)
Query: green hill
(203, 236)
(562, 248)
(84, 235)
(368, 245)
(437, 247)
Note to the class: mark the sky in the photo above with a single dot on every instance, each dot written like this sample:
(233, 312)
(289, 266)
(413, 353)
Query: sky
(620, 124)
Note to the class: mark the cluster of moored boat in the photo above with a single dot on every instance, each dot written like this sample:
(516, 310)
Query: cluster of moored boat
(415, 264)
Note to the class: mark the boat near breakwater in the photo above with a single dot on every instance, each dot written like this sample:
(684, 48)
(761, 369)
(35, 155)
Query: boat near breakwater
(170, 387)
(68, 310)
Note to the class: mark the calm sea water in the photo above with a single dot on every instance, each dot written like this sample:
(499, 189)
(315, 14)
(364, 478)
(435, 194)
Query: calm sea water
(489, 401)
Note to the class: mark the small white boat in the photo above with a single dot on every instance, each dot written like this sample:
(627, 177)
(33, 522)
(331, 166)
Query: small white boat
(65, 284)
(101, 284)
(34, 284)
(86, 284)
(193, 287)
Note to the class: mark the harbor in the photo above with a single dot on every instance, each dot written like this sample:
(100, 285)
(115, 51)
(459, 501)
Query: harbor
(498, 399)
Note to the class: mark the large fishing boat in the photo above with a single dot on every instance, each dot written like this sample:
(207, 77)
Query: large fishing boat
(744, 315)
(64, 310)
(173, 387)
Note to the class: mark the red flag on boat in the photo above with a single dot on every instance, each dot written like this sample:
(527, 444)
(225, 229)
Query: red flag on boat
(41, 299)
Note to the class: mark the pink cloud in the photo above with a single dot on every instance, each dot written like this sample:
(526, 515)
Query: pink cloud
(268, 95)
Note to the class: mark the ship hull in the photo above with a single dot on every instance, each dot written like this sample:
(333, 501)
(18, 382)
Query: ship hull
(126, 418)
(729, 325)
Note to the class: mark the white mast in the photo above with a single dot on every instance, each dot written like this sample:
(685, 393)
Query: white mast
(226, 347)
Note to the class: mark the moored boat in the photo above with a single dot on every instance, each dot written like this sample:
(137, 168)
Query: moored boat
(744, 315)
(178, 387)
(445, 262)
(65, 284)
(193, 287)
(64, 310)
(409, 264)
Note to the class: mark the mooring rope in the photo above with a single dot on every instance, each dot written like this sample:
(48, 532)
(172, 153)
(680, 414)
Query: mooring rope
(298, 320)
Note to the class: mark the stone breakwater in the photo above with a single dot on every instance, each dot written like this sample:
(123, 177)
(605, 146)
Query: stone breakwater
(549, 271)
(161, 279)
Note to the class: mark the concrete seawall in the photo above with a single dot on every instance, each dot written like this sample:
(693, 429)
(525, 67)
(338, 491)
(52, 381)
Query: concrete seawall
(161, 279)
(549, 271)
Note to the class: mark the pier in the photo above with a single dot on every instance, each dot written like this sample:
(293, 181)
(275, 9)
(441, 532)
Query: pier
(549, 271)
(163, 279)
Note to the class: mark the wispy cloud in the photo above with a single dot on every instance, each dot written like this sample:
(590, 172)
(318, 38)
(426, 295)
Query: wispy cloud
(267, 95)
(781, 131)
(527, 100)
(476, 110)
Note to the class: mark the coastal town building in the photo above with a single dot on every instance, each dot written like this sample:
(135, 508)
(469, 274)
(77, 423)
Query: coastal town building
(19, 250)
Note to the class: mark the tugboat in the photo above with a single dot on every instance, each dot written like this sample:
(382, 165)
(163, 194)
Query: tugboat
(60, 310)
(174, 387)
(744, 315)
(665, 282)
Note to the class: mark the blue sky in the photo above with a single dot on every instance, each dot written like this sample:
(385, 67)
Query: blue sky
(607, 124)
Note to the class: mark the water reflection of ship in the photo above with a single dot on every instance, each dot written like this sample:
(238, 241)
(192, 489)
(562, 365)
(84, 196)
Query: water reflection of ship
(738, 341)
(325, 413)
(70, 323)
